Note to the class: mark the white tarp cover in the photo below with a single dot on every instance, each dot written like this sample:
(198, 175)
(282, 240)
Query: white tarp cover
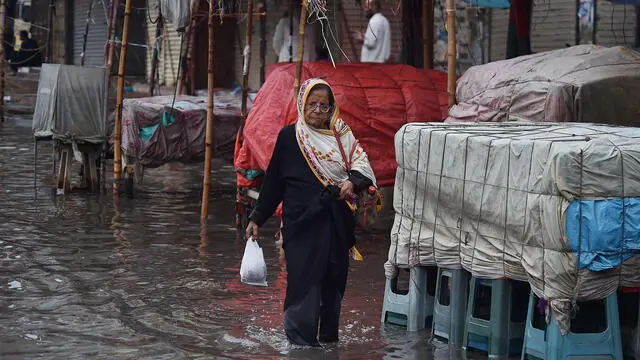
(493, 198)
(71, 103)
(176, 12)
(585, 83)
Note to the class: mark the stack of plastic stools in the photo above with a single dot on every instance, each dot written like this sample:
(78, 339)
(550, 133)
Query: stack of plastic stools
(450, 308)
(545, 342)
(414, 309)
(497, 329)
(629, 310)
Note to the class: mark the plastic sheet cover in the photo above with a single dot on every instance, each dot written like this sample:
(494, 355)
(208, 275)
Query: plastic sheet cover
(154, 134)
(553, 204)
(374, 99)
(71, 103)
(585, 83)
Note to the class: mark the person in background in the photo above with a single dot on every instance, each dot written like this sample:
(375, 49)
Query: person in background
(282, 39)
(29, 54)
(316, 169)
(376, 41)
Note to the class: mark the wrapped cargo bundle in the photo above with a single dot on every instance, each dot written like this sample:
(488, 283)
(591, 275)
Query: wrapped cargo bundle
(585, 84)
(557, 205)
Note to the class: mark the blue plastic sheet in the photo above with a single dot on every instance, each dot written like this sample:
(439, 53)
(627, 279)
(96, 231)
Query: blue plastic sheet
(147, 132)
(603, 233)
(494, 4)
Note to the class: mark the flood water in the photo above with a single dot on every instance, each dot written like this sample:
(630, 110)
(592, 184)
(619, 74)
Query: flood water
(83, 277)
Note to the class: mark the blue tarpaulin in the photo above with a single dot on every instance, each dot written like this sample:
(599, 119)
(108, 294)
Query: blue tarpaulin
(603, 233)
(495, 4)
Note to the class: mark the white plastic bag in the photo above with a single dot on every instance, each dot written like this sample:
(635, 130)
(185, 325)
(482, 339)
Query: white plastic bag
(253, 270)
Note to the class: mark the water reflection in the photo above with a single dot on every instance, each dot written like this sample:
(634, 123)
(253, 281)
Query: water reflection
(145, 278)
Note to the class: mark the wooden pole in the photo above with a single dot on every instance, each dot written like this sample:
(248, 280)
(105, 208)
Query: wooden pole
(427, 33)
(52, 11)
(263, 40)
(209, 139)
(246, 67)
(86, 32)
(452, 56)
(303, 20)
(156, 55)
(2, 55)
(191, 69)
(117, 131)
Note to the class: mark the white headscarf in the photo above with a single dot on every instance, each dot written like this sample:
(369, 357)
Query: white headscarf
(320, 147)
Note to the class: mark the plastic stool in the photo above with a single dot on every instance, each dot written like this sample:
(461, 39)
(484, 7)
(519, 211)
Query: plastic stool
(498, 330)
(449, 311)
(415, 309)
(545, 342)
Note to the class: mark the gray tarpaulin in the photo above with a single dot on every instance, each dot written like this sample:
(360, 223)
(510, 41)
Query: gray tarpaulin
(71, 103)
(496, 200)
(586, 83)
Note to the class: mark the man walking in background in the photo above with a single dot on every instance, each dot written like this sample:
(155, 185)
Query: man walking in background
(376, 41)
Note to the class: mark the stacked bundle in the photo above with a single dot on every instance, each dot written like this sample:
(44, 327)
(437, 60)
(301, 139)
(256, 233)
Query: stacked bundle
(555, 204)
(586, 84)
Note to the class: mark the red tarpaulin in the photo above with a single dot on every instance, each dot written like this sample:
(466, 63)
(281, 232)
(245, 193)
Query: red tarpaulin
(374, 99)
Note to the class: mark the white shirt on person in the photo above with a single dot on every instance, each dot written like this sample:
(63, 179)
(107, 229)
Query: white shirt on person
(377, 40)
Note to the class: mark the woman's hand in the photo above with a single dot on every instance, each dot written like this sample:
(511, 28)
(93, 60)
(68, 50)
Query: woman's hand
(252, 230)
(346, 190)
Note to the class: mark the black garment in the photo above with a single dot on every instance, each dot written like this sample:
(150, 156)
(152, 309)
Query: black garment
(318, 231)
(29, 55)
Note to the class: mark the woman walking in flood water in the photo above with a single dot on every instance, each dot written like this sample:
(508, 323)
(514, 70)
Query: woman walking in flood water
(316, 169)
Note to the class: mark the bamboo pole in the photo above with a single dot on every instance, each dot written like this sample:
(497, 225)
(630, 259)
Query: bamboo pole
(427, 34)
(303, 19)
(117, 132)
(191, 69)
(452, 56)
(156, 55)
(263, 40)
(52, 10)
(247, 64)
(2, 55)
(206, 182)
(86, 32)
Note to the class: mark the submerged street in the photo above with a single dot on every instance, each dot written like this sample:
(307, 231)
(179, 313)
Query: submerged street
(83, 277)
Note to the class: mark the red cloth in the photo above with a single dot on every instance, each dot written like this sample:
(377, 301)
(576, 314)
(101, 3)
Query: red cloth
(375, 100)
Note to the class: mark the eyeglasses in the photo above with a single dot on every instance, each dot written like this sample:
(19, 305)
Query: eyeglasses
(324, 108)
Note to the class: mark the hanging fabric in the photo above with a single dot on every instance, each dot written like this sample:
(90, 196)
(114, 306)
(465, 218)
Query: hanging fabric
(176, 12)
